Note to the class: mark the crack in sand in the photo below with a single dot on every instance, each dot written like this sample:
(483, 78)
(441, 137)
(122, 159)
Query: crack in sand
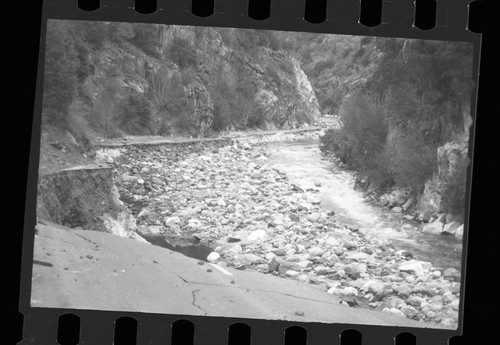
(193, 293)
(257, 290)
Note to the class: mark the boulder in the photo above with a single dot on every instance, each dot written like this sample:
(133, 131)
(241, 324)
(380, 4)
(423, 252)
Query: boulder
(402, 290)
(459, 233)
(452, 274)
(332, 241)
(435, 227)
(213, 257)
(353, 270)
(257, 235)
(315, 251)
(314, 217)
(408, 311)
(412, 267)
(394, 311)
(288, 266)
(343, 292)
(292, 273)
(408, 203)
(451, 228)
(248, 259)
(377, 287)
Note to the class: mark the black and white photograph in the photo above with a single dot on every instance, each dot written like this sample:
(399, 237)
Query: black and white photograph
(259, 174)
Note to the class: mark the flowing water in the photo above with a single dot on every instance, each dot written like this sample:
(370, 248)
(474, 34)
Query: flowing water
(305, 166)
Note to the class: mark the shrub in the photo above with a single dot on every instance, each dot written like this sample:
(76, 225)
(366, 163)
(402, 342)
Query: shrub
(146, 38)
(411, 162)
(287, 66)
(134, 114)
(182, 53)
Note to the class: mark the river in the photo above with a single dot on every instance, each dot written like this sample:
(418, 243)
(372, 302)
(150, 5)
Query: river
(303, 162)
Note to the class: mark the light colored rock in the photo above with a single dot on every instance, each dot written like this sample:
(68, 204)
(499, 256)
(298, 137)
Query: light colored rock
(314, 217)
(377, 287)
(343, 292)
(408, 310)
(269, 256)
(452, 274)
(257, 235)
(305, 263)
(415, 301)
(451, 228)
(319, 270)
(235, 249)
(435, 227)
(248, 259)
(397, 209)
(413, 267)
(361, 257)
(402, 290)
(292, 273)
(213, 257)
(459, 233)
(332, 241)
(394, 311)
(287, 266)
(315, 251)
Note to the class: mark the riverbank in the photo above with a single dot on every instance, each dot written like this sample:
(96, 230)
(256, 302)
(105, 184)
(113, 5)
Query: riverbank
(229, 197)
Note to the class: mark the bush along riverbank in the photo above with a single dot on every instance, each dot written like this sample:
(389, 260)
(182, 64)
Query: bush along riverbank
(227, 196)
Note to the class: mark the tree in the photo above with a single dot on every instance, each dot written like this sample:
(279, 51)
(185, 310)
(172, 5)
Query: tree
(182, 53)
(60, 78)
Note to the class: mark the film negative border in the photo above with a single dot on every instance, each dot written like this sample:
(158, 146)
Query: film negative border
(342, 17)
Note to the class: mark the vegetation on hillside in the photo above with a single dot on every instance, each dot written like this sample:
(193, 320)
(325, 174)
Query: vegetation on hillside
(94, 81)
(412, 103)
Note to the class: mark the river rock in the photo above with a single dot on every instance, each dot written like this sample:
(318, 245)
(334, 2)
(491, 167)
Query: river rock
(315, 251)
(403, 290)
(269, 256)
(314, 217)
(353, 270)
(213, 257)
(332, 241)
(451, 228)
(413, 267)
(292, 273)
(415, 301)
(408, 311)
(435, 227)
(361, 257)
(257, 235)
(235, 249)
(452, 274)
(348, 291)
(377, 287)
(248, 259)
(233, 239)
(288, 266)
(394, 311)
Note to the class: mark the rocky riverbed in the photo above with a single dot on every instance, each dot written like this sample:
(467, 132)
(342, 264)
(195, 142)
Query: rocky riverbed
(226, 195)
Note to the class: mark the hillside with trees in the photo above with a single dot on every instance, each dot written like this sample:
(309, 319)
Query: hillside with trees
(407, 125)
(105, 79)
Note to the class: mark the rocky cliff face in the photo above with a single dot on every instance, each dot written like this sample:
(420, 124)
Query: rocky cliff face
(274, 80)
